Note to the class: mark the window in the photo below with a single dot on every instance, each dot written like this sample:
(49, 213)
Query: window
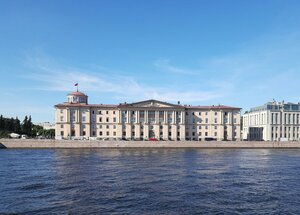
(107, 126)
(62, 126)
(133, 127)
(83, 133)
(61, 111)
(170, 133)
(206, 120)
(115, 127)
(199, 113)
(234, 120)
(193, 113)
(107, 119)
(114, 112)
(216, 120)
(83, 126)
(161, 127)
(200, 134)
(100, 133)
(100, 119)
(206, 127)
(193, 133)
(62, 133)
(200, 127)
(216, 134)
(206, 134)
(124, 119)
(216, 127)
(115, 119)
(93, 112)
(100, 112)
(100, 126)
(94, 133)
(83, 119)
(115, 133)
(133, 119)
(206, 113)
(107, 112)
(216, 113)
(61, 118)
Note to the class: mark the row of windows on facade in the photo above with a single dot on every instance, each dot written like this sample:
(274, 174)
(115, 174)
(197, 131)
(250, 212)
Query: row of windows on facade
(276, 132)
(142, 133)
(143, 112)
(275, 119)
(142, 127)
(151, 120)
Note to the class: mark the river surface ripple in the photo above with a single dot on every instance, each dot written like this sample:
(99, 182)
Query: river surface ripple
(149, 181)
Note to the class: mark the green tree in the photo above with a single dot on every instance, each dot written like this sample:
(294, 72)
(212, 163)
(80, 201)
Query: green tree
(17, 125)
(1, 123)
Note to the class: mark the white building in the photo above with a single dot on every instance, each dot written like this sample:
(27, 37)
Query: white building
(47, 125)
(145, 120)
(273, 121)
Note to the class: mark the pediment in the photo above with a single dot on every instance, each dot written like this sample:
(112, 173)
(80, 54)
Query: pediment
(153, 103)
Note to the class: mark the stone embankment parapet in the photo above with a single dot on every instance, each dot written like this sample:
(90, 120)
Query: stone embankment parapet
(32, 143)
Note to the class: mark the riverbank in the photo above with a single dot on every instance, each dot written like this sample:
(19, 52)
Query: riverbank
(28, 143)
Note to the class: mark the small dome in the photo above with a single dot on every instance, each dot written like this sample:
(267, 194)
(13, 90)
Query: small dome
(77, 97)
(76, 94)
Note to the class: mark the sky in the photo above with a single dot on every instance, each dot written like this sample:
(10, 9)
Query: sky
(202, 52)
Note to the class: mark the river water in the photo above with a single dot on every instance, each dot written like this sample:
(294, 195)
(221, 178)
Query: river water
(149, 181)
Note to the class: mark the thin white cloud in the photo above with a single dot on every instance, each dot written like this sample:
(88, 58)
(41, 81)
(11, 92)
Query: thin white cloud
(52, 77)
(165, 66)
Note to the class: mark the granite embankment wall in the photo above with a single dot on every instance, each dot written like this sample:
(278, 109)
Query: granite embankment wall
(18, 143)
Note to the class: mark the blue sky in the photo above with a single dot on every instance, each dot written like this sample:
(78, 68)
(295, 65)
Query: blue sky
(204, 52)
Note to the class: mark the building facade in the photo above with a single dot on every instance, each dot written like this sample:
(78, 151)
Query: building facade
(76, 119)
(273, 121)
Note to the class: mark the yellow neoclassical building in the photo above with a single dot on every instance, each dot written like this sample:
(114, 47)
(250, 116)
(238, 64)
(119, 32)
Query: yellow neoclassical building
(150, 119)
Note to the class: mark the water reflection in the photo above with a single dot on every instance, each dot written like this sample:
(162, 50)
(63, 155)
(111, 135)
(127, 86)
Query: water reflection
(149, 181)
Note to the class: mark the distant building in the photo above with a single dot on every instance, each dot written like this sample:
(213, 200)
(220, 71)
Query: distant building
(273, 121)
(144, 120)
(47, 125)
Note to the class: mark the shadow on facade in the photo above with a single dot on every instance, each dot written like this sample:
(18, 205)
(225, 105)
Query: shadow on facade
(255, 133)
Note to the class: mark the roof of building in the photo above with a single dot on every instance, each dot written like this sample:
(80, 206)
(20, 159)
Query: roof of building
(66, 104)
(212, 107)
(77, 93)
